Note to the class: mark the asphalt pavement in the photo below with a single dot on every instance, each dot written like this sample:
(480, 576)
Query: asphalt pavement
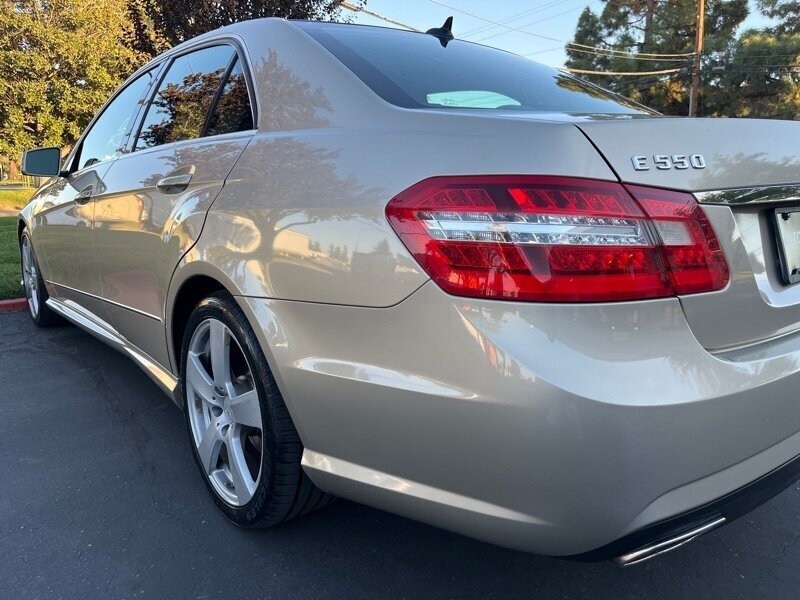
(100, 498)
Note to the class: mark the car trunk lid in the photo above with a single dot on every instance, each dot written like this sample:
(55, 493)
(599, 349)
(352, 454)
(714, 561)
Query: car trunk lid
(742, 171)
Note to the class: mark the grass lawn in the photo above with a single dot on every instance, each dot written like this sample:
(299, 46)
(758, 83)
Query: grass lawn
(9, 259)
(13, 200)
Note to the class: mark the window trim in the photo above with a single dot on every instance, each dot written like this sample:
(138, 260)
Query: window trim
(223, 82)
(238, 53)
(137, 122)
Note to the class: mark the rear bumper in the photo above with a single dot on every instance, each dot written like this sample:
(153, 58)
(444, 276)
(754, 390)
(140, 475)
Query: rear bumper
(555, 429)
(722, 511)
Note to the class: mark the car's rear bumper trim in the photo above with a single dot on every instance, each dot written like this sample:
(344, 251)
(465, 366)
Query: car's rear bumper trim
(675, 531)
(658, 548)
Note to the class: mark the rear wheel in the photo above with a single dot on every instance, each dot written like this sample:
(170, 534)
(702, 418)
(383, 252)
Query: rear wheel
(243, 438)
(33, 283)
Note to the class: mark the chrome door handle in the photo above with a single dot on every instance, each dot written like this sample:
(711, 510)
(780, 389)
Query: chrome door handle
(84, 195)
(174, 183)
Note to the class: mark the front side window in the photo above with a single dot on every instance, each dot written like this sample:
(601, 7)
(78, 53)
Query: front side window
(232, 111)
(181, 105)
(107, 136)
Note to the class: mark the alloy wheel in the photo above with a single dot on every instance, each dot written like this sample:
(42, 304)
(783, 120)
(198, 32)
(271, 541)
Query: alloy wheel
(224, 412)
(30, 276)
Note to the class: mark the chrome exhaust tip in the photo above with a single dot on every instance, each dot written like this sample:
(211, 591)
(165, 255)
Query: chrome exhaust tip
(651, 551)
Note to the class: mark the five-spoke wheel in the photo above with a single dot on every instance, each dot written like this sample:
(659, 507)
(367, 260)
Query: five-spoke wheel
(224, 411)
(30, 275)
(244, 440)
(33, 284)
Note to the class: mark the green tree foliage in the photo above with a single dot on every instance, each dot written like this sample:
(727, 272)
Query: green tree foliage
(145, 35)
(159, 24)
(642, 27)
(183, 108)
(761, 77)
(59, 61)
(785, 12)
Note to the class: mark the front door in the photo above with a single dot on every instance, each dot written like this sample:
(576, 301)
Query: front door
(63, 227)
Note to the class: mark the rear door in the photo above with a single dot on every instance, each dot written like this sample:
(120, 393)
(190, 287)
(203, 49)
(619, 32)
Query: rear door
(198, 122)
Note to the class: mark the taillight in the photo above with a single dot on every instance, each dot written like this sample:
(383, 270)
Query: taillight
(557, 239)
(694, 260)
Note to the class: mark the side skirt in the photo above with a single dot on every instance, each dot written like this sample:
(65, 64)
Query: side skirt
(105, 333)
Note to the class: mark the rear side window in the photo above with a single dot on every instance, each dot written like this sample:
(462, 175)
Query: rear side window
(232, 111)
(415, 70)
(184, 98)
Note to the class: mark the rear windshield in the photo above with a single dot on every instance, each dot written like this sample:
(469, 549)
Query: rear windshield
(414, 70)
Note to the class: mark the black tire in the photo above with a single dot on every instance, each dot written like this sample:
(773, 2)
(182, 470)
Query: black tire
(43, 316)
(284, 491)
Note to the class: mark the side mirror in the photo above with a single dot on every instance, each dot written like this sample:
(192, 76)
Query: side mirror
(42, 162)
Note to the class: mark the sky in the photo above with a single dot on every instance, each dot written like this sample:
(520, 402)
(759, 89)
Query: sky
(554, 19)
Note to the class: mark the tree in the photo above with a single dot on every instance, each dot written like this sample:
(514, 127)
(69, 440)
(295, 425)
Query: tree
(145, 36)
(785, 12)
(761, 77)
(159, 24)
(637, 28)
(59, 61)
(183, 107)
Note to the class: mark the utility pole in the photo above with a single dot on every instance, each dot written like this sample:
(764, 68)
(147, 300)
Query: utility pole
(694, 90)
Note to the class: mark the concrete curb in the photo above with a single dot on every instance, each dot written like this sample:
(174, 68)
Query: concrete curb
(13, 305)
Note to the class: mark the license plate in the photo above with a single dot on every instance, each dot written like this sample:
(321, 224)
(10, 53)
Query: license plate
(788, 227)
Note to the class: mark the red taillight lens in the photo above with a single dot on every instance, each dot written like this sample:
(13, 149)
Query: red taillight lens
(691, 251)
(557, 239)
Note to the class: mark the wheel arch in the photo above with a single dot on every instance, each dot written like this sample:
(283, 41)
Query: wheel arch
(195, 279)
(192, 281)
(192, 291)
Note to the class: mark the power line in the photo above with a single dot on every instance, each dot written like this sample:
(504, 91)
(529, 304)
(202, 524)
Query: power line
(761, 69)
(761, 66)
(642, 83)
(361, 9)
(631, 57)
(763, 58)
(552, 39)
(766, 54)
(619, 73)
(591, 49)
(474, 16)
(655, 78)
(626, 52)
(515, 17)
(559, 47)
(537, 21)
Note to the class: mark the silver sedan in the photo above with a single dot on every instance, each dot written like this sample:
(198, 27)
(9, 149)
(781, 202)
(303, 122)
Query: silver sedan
(439, 279)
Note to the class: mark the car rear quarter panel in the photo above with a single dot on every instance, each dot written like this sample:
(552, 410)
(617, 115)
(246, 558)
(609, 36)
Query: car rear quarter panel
(301, 216)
